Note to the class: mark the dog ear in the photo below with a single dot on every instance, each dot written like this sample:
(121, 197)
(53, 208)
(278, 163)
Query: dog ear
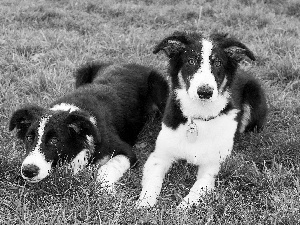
(237, 50)
(80, 124)
(173, 45)
(23, 118)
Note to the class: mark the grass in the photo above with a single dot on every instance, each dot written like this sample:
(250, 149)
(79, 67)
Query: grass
(43, 41)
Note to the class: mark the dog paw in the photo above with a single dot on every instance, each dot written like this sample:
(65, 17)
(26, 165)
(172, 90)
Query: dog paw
(105, 182)
(189, 201)
(183, 206)
(140, 204)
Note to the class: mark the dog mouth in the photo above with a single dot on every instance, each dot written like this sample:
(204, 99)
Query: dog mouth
(35, 179)
(32, 180)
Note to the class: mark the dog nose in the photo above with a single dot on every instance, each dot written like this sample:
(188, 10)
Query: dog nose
(205, 92)
(30, 171)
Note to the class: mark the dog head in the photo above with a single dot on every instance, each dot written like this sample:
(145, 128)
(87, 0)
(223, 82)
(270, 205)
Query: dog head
(53, 136)
(203, 66)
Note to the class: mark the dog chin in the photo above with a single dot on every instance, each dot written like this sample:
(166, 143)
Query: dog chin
(33, 180)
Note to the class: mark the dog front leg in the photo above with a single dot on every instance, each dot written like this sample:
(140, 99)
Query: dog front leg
(112, 171)
(122, 157)
(153, 175)
(205, 183)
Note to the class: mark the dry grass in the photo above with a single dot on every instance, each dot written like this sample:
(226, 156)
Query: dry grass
(43, 41)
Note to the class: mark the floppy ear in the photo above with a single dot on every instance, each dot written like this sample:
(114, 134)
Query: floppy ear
(237, 50)
(173, 45)
(80, 124)
(23, 118)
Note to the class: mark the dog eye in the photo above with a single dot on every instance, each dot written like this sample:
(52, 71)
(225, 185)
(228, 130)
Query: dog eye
(192, 61)
(29, 138)
(53, 141)
(217, 63)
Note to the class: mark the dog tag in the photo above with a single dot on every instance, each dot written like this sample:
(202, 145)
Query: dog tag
(192, 132)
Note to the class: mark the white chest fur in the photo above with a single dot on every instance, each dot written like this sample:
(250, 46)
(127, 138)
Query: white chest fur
(214, 140)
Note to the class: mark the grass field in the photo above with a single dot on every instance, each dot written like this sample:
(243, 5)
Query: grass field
(43, 41)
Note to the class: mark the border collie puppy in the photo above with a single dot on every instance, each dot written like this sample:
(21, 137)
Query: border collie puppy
(210, 100)
(98, 123)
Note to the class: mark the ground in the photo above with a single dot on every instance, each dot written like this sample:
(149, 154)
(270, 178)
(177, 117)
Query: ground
(43, 41)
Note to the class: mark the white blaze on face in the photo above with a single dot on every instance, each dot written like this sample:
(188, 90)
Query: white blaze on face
(36, 157)
(204, 75)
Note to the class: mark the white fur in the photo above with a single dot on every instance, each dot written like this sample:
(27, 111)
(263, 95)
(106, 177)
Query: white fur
(201, 109)
(223, 85)
(36, 157)
(65, 107)
(204, 75)
(112, 171)
(41, 130)
(70, 108)
(93, 120)
(181, 81)
(81, 160)
(90, 140)
(213, 144)
(246, 116)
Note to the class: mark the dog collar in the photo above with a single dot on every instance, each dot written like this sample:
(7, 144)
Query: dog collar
(223, 111)
(192, 129)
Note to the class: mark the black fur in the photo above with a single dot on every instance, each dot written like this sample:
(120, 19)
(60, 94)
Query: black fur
(118, 97)
(247, 90)
(23, 118)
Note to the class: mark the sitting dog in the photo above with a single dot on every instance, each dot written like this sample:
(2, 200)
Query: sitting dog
(210, 100)
(97, 123)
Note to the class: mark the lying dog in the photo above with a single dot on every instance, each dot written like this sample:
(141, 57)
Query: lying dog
(210, 100)
(98, 123)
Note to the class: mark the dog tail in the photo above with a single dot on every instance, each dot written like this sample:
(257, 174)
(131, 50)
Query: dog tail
(87, 73)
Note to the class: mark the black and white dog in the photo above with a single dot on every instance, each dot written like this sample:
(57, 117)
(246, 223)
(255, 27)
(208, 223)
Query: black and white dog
(98, 123)
(210, 100)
